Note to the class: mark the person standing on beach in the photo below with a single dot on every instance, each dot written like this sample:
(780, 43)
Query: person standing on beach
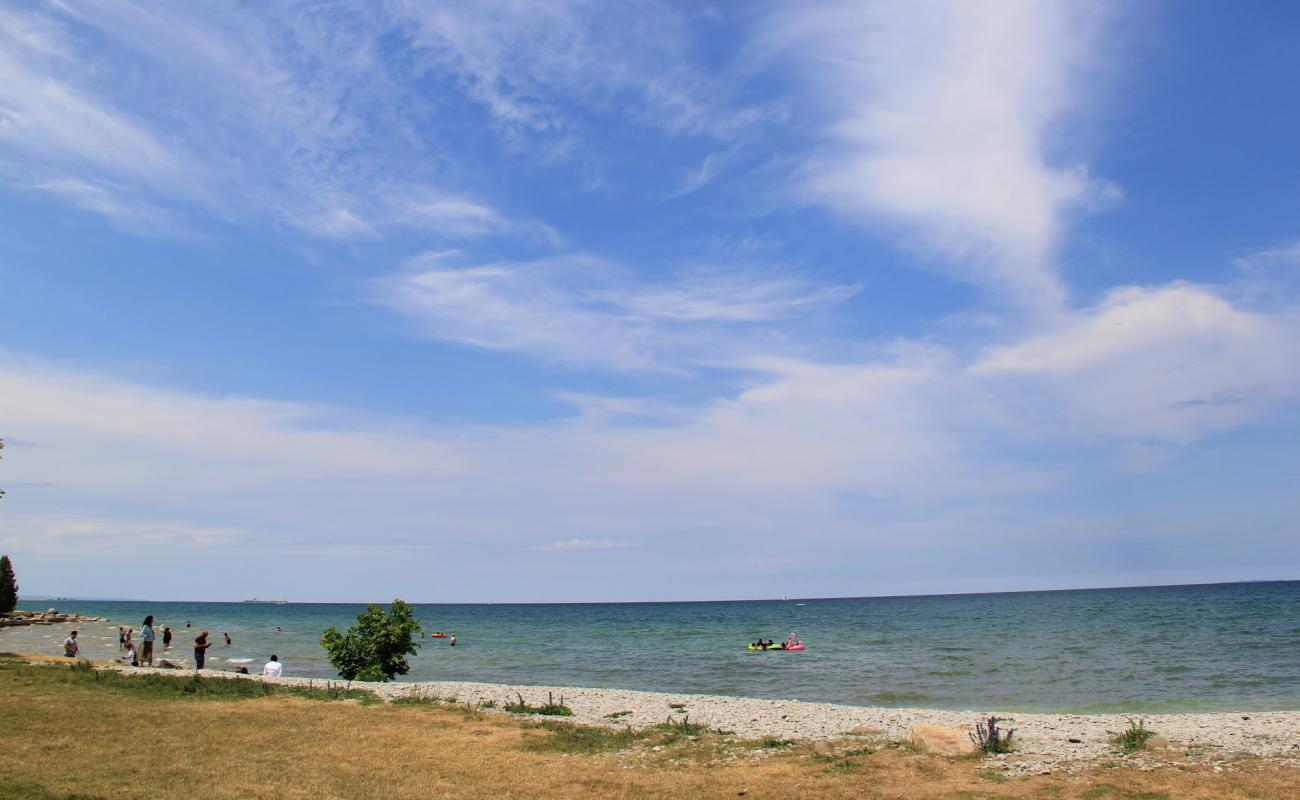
(167, 638)
(121, 637)
(201, 645)
(147, 637)
(70, 646)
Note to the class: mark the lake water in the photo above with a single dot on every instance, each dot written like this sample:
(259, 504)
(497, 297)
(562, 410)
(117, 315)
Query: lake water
(1178, 648)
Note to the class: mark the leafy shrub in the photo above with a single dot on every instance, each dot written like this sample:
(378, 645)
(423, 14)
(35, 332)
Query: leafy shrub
(375, 649)
(1132, 740)
(989, 739)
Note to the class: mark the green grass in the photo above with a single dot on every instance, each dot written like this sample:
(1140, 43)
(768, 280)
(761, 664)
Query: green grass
(618, 714)
(676, 728)
(549, 709)
(567, 737)
(775, 742)
(1133, 739)
(185, 685)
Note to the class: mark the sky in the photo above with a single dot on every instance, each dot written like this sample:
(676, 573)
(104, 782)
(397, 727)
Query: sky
(574, 301)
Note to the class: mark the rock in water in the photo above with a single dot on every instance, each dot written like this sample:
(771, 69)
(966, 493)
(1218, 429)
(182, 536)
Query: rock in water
(941, 740)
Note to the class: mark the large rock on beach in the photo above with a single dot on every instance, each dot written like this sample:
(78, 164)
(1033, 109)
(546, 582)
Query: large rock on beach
(941, 740)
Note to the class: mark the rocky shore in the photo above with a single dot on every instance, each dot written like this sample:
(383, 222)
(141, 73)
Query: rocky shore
(1044, 742)
(16, 619)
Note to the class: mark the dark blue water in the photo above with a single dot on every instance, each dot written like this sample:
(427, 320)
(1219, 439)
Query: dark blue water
(1183, 648)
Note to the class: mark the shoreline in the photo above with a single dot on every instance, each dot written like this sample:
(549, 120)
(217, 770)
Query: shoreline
(1044, 742)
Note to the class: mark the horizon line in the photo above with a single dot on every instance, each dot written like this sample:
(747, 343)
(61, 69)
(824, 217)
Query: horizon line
(52, 598)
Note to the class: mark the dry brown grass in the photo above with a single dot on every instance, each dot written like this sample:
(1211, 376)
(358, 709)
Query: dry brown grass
(61, 739)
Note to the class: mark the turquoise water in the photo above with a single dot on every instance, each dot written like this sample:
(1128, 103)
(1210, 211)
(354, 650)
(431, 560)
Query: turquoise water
(1182, 648)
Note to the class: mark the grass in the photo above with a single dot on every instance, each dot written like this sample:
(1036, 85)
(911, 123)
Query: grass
(569, 738)
(189, 685)
(66, 736)
(1135, 738)
(618, 714)
(549, 709)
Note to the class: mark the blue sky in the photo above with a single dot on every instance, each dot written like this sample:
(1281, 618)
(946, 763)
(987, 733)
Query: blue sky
(571, 301)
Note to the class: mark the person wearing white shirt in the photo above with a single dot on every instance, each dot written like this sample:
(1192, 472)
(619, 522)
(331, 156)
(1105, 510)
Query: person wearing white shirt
(273, 667)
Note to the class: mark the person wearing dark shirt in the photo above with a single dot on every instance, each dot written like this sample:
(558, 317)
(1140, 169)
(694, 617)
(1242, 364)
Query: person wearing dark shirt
(167, 637)
(201, 645)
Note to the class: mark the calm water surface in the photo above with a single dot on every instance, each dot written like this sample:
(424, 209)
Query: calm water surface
(1182, 648)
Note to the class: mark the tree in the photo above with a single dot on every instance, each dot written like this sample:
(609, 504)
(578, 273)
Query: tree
(375, 649)
(8, 586)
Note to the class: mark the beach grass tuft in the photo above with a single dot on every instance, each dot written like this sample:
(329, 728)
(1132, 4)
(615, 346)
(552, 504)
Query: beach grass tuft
(1134, 738)
(549, 709)
(683, 727)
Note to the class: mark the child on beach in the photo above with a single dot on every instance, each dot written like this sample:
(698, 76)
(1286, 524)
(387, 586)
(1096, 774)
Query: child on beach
(167, 637)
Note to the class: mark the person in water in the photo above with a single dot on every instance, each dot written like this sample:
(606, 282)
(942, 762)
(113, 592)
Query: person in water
(146, 639)
(167, 637)
(227, 635)
(453, 640)
(201, 645)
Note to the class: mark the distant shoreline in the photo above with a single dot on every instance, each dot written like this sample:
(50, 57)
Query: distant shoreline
(790, 599)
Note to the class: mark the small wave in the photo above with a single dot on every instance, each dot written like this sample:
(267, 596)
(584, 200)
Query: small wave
(897, 698)
(239, 660)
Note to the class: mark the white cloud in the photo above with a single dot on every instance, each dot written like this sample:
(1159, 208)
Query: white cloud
(570, 545)
(583, 311)
(942, 116)
(530, 63)
(285, 114)
(803, 448)
(1170, 363)
(114, 202)
(58, 122)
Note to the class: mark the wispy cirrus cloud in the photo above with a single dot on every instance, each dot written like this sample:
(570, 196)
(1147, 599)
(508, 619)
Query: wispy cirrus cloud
(941, 120)
(577, 545)
(304, 118)
(585, 311)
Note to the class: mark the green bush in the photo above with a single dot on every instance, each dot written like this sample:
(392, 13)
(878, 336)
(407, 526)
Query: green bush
(375, 649)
